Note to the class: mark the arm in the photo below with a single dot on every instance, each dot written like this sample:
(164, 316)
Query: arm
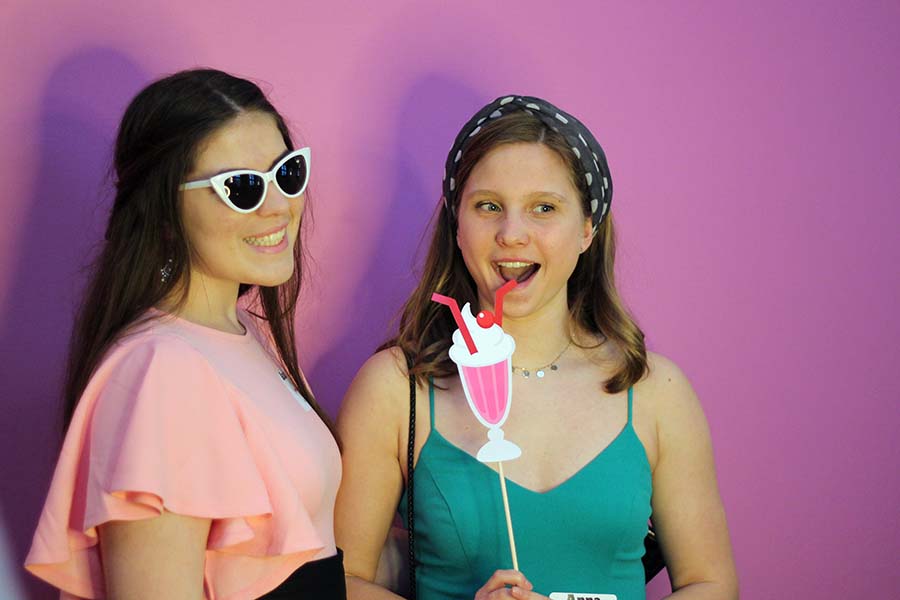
(161, 557)
(372, 424)
(687, 508)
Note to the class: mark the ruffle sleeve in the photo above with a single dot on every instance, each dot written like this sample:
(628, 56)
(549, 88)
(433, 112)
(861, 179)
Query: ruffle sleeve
(158, 429)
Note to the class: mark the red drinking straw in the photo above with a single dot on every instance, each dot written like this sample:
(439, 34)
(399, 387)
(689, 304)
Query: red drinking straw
(498, 300)
(454, 308)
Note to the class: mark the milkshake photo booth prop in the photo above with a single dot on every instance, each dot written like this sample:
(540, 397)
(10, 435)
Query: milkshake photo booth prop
(483, 353)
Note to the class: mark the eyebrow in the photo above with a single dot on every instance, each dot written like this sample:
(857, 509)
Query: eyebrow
(282, 155)
(531, 196)
(226, 170)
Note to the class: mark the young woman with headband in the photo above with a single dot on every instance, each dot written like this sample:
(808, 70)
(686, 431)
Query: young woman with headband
(610, 433)
(196, 463)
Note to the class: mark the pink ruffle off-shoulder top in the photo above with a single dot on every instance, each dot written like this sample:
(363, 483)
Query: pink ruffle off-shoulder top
(199, 422)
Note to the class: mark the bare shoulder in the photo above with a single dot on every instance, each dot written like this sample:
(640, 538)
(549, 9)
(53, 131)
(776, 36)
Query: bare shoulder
(668, 393)
(378, 393)
(665, 384)
(383, 375)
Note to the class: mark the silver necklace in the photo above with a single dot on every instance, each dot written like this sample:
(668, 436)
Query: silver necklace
(539, 372)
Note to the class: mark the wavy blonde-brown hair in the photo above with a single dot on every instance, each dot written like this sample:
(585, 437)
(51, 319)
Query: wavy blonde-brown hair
(425, 327)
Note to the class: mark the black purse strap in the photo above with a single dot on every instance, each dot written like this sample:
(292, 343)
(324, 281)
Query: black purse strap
(653, 559)
(411, 447)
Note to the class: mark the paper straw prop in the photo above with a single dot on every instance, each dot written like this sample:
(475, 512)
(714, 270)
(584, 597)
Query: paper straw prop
(457, 316)
(483, 352)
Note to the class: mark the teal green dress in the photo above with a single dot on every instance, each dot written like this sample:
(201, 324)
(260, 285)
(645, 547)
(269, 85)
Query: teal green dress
(585, 535)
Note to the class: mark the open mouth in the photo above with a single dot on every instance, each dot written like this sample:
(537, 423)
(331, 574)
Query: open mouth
(520, 271)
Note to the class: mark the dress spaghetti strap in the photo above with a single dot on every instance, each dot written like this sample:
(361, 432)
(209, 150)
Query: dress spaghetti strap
(630, 402)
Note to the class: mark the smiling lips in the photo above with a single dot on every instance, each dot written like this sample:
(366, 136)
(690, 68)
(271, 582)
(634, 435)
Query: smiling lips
(521, 271)
(273, 239)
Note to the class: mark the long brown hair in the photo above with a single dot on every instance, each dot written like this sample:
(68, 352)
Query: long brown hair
(426, 327)
(157, 143)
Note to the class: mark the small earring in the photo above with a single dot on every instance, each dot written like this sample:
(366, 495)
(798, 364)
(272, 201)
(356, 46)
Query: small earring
(166, 271)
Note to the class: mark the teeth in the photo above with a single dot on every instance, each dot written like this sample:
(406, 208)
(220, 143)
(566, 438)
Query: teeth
(516, 269)
(514, 264)
(273, 239)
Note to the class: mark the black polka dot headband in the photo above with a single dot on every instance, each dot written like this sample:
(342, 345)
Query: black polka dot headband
(585, 147)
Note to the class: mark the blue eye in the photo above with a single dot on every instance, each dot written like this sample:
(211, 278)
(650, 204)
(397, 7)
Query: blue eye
(488, 206)
(544, 208)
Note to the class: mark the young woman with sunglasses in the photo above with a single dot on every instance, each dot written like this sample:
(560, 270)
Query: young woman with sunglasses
(608, 431)
(196, 462)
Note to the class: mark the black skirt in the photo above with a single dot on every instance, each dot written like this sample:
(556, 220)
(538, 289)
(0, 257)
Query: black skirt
(321, 579)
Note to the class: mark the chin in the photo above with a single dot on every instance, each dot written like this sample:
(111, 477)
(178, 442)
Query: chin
(272, 279)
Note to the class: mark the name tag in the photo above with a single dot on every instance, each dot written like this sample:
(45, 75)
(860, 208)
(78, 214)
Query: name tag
(297, 396)
(581, 596)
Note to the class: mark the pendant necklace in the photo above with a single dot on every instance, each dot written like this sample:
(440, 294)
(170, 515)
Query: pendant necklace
(539, 372)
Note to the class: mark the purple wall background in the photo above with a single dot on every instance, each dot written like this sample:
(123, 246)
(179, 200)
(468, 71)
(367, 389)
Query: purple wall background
(756, 154)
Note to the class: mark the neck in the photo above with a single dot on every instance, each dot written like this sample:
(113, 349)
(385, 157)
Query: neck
(210, 302)
(540, 336)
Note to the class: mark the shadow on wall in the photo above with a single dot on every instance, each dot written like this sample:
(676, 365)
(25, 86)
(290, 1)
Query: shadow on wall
(427, 122)
(83, 99)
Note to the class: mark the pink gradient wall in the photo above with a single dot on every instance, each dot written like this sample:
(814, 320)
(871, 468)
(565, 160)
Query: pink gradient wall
(756, 153)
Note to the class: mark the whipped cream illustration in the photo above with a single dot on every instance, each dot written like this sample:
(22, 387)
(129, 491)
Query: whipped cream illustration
(494, 345)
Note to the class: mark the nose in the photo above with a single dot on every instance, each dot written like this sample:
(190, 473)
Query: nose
(513, 230)
(275, 203)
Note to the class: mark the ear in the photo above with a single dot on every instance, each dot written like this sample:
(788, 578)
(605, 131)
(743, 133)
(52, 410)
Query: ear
(587, 234)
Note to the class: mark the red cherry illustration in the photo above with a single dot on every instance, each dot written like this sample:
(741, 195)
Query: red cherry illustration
(485, 319)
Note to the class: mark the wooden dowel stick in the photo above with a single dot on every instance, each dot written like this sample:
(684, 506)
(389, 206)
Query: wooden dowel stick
(509, 528)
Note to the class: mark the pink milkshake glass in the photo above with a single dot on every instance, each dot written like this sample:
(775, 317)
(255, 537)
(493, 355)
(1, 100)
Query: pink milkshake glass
(485, 370)
(488, 390)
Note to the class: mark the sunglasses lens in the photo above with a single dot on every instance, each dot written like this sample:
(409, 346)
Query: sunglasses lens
(291, 176)
(245, 190)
